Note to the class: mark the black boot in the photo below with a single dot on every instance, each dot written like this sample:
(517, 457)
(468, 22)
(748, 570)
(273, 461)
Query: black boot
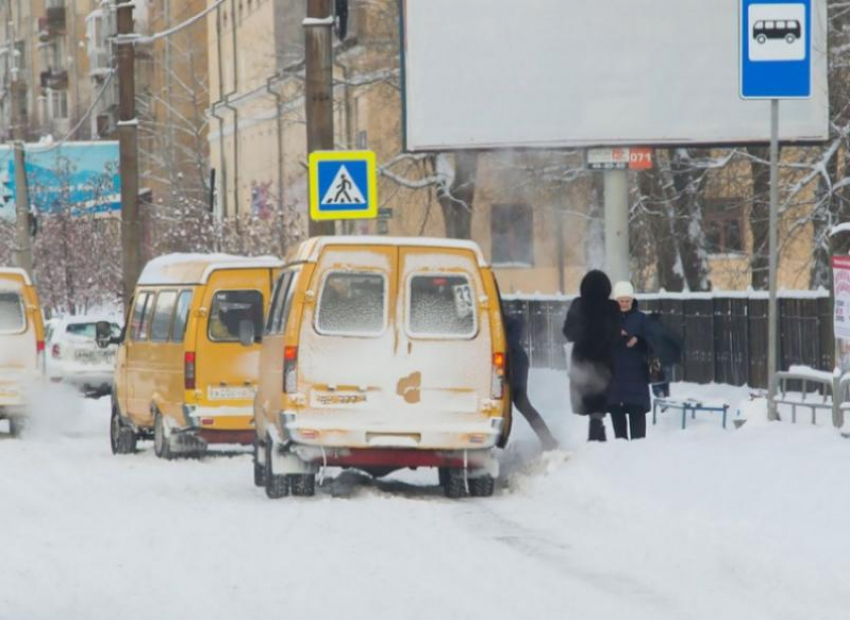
(596, 430)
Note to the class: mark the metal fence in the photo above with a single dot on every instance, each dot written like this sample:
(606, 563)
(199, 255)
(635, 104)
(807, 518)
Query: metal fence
(724, 335)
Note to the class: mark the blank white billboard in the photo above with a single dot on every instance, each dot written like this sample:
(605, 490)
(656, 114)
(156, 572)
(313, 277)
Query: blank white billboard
(484, 74)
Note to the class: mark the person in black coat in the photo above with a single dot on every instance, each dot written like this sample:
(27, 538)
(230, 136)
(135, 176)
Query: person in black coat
(518, 367)
(628, 396)
(593, 326)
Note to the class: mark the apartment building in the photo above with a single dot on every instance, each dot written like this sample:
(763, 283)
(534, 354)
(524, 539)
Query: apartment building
(44, 67)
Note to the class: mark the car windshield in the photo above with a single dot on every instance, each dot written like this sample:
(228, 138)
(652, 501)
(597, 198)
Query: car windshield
(11, 312)
(89, 330)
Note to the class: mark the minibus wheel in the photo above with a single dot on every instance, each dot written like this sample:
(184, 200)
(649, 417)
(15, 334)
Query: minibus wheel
(482, 486)
(121, 439)
(303, 485)
(16, 427)
(259, 470)
(455, 486)
(161, 446)
(277, 485)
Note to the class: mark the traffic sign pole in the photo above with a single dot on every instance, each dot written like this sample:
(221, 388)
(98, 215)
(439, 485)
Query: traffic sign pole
(772, 313)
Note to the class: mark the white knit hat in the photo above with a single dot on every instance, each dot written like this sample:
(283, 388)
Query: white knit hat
(623, 289)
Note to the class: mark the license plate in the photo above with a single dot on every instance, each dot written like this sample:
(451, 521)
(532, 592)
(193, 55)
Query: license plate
(340, 399)
(93, 357)
(230, 393)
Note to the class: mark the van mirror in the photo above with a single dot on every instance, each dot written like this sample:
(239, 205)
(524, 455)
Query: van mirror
(247, 334)
(103, 334)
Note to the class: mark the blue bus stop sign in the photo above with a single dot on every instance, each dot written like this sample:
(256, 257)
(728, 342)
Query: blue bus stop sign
(776, 49)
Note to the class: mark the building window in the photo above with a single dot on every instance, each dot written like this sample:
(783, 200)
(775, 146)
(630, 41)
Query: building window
(58, 104)
(512, 235)
(723, 225)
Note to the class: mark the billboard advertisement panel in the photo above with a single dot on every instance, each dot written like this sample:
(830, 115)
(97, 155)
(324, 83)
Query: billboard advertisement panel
(80, 177)
(573, 73)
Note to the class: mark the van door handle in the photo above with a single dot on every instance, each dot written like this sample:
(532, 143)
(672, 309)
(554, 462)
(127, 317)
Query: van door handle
(409, 347)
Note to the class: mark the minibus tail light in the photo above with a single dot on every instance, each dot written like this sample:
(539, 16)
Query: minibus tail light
(290, 370)
(39, 346)
(498, 387)
(189, 370)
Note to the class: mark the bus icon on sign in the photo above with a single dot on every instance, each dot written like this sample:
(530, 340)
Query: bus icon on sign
(789, 30)
(776, 32)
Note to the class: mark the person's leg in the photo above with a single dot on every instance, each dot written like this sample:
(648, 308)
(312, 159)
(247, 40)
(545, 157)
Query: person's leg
(520, 398)
(596, 429)
(618, 421)
(637, 422)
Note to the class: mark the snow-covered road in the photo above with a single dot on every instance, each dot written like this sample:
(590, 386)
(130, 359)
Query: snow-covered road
(702, 523)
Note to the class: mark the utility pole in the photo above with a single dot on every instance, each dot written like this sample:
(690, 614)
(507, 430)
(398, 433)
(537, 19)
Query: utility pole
(128, 149)
(23, 247)
(318, 45)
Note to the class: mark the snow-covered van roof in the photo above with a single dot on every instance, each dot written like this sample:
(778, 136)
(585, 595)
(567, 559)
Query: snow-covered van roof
(197, 268)
(18, 273)
(309, 250)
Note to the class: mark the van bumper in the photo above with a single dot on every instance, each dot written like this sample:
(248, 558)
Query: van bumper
(439, 432)
(478, 462)
(217, 425)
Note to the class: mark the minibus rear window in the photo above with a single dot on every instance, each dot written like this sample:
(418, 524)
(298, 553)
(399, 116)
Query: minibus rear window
(229, 309)
(352, 304)
(12, 318)
(88, 330)
(441, 306)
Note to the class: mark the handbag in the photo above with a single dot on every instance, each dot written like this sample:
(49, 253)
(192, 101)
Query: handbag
(656, 370)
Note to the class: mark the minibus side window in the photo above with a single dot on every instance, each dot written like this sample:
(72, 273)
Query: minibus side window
(273, 323)
(441, 306)
(181, 317)
(136, 332)
(12, 317)
(229, 308)
(162, 313)
(352, 304)
(285, 301)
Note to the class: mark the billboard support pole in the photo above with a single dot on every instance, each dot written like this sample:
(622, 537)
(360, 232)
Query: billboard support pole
(772, 314)
(616, 199)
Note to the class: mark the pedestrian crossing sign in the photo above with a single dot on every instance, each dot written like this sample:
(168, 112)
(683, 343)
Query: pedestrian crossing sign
(343, 185)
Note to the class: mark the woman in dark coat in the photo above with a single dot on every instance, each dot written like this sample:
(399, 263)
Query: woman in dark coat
(518, 367)
(629, 393)
(593, 326)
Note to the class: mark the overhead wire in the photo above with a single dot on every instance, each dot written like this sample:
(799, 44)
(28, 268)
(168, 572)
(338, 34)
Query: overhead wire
(140, 38)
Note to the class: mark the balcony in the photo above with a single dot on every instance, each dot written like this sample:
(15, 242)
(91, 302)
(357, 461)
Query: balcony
(52, 24)
(54, 80)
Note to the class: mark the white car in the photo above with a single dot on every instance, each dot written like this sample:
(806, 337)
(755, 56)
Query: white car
(74, 358)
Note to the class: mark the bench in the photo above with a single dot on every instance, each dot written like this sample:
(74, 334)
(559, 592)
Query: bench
(685, 406)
